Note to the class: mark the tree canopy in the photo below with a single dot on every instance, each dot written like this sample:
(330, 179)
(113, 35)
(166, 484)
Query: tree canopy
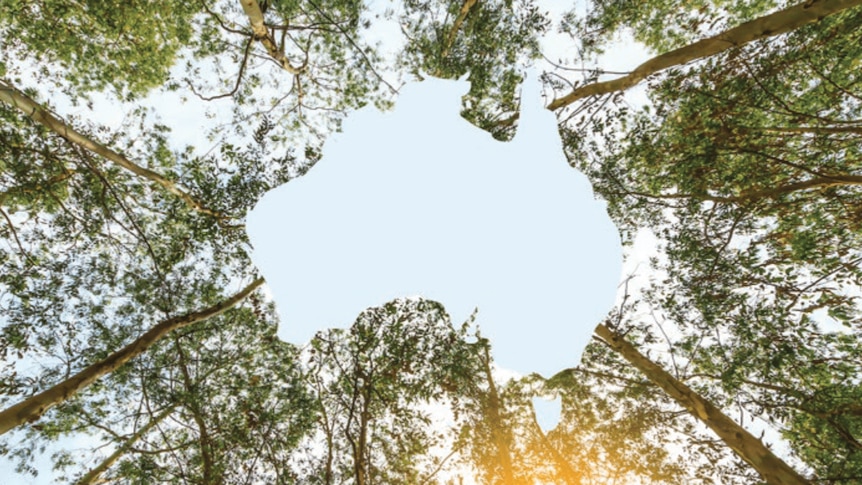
(138, 342)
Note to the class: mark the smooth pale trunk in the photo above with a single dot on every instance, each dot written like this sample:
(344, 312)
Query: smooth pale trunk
(773, 470)
(13, 97)
(33, 408)
(93, 476)
(264, 36)
(771, 25)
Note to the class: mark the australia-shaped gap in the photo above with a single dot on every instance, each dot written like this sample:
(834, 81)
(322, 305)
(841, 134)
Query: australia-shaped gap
(419, 202)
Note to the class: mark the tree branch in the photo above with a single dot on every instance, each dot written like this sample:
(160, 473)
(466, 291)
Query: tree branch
(456, 26)
(233, 91)
(13, 97)
(32, 408)
(93, 475)
(772, 468)
(263, 35)
(764, 27)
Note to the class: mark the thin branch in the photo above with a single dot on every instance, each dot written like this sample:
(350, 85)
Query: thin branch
(809, 129)
(242, 65)
(355, 46)
(24, 253)
(220, 21)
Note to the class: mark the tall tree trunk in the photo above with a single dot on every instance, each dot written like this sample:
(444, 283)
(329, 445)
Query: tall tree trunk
(92, 477)
(34, 407)
(13, 97)
(767, 26)
(564, 469)
(204, 441)
(363, 471)
(328, 430)
(773, 469)
(501, 442)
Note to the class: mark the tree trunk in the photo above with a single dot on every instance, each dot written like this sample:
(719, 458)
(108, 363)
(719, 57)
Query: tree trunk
(32, 408)
(767, 26)
(456, 26)
(363, 471)
(204, 441)
(773, 470)
(92, 477)
(13, 97)
(496, 421)
(262, 34)
(564, 469)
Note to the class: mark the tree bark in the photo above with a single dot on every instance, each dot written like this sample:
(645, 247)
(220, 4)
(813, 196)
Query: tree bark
(501, 442)
(767, 26)
(92, 477)
(262, 34)
(771, 468)
(564, 469)
(32, 408)
(456, 26)
(13, 97)
(204, 441)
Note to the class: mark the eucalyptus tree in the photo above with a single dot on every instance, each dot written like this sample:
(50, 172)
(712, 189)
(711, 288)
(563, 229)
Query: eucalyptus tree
(97, 256)
(667, 28)
(235, 407)
(616, 426)
(32, 408)
(770, 467)
(316, 68)
(788, 371)
(304, 64)
(491, 42)
(746, 166)
(380, 386)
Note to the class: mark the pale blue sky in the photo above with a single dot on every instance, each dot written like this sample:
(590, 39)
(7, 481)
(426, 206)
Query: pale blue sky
(418, 202)
(527, 168)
